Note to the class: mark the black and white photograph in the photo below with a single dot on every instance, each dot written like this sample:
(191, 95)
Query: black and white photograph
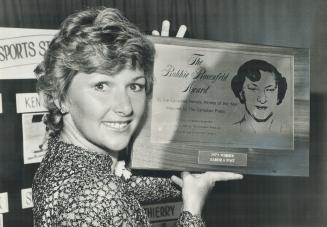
(186, 113)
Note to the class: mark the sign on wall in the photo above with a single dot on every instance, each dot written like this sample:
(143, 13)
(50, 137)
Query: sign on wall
(29, 102)
(4, 206)
(33, 137)
(21, 50)
(163, 211)
(27, 201)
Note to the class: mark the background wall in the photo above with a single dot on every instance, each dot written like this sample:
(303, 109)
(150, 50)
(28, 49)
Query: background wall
(257, 200)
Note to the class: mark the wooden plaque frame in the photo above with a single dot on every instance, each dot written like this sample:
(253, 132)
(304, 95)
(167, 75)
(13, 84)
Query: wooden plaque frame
(180, 156)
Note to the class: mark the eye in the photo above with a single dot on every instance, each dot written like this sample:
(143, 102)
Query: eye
(252, 88)
(271, 89)
(101, 86)
(137, 87)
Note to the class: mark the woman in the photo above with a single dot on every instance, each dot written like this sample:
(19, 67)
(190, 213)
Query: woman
(94, 80)
(261, 88)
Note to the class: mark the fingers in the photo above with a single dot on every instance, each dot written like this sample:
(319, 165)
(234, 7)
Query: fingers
(177, 181)
(181, 31)
(210, 177)
(155, 33)
(223, 176)
(165, 28)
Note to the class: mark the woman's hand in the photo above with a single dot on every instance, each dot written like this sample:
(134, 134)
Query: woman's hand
(165, 30)
(196, 187)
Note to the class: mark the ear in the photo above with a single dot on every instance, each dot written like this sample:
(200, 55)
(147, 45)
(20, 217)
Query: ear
(241, 96)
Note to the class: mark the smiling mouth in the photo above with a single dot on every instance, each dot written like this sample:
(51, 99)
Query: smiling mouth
(117, 125)
(261, 107)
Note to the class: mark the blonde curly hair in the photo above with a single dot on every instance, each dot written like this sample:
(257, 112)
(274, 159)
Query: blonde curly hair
(94, 40)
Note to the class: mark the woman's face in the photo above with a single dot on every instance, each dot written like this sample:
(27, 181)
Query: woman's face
(104, 111)
(261, 96)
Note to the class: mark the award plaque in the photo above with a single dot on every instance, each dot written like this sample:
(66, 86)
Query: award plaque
(226, 107)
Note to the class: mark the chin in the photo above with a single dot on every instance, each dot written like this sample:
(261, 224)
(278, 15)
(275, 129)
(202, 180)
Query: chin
(118, 145)
(262, 118)
(116, 141)
(116, 148)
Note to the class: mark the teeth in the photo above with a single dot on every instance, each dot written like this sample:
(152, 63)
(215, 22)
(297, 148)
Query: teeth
(116, 125)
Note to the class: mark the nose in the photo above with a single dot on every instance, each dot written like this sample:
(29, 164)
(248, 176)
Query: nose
(122, 104)
(262, 99)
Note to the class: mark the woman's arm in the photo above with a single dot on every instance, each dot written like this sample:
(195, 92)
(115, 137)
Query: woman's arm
(100, 201)
(151, 189)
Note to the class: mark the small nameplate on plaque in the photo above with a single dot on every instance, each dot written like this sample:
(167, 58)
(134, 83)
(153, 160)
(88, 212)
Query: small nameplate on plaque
(222, 158)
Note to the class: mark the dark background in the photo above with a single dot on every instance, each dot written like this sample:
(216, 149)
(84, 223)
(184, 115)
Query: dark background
(255, 201)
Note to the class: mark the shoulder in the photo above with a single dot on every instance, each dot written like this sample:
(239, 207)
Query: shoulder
(67, 184)
(81, 199)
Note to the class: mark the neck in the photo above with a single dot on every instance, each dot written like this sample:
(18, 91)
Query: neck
(69, 135)
(259, 126)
